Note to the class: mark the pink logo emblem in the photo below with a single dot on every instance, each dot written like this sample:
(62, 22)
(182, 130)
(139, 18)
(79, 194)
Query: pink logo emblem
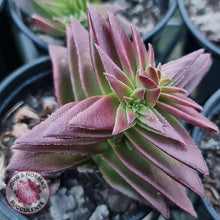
(27, 192)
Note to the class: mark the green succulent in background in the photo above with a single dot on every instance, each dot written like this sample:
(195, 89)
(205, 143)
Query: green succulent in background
(54, 15)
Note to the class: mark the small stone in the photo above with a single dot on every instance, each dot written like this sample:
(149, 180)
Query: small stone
(78, 193)
(61, 203)
(101, 213)
(28, 116)
(49, 105)
(19, 129)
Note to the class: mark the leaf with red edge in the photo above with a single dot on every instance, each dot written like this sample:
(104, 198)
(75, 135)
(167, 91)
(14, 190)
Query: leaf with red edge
(115, 180)
(188, 114)
(151, 96)
(150, 55)
(172, 167)
(48, 26)
(121, 122)
(85, 70)
(61, 74)
(46, 163)
(179, 99)
(148, 193)
(74, 149)
(144, 80)
(99, 116)
(152, 175)
(118, 86)
(73, 67)
(112, 68)
(139, 49)
(123, 46)
(188, 154)
(188, 71)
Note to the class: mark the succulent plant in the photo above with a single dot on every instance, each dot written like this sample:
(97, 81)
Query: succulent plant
(119, 107)
(54, 15)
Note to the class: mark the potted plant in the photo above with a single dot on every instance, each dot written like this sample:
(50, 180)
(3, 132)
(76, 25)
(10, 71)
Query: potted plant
(209, 146)
(123, 114)
(16, 15)
(196, 38)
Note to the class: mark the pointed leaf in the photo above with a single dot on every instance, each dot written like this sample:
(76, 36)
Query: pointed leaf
(61, 74)
(112, 68)
(121, 122)
(151, 174)
(188, 114)
(48, 26)
(46, 163)
(144, 80)
(99, 116)
(150, 56)
(172, 89)
(115, 180)
(139, 49)
(188, 71)
(86, 73)
(74, 67)
(151, 96)
(148, 193)
(152, 72)
(123, 46)
(172, 167)
(118, 86)
(179, 99)
(188, 154)
(138, 94)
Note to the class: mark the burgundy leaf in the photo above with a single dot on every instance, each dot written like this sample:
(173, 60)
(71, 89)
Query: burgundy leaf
(172, 167)
(46, 163)
(188, 114)
(99, 116)
(123, 46)
(148, 193)
(144, 80)
(81, 45)
(151, 174)
(139, 49)
(61, 74)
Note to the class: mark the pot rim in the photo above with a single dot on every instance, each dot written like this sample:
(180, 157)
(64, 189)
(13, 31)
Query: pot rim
(211, 107)
(21, 78)
(196, 33)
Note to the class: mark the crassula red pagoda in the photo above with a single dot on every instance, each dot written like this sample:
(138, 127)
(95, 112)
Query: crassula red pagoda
(123, 115)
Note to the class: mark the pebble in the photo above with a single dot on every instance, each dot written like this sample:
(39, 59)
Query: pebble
(101, 213)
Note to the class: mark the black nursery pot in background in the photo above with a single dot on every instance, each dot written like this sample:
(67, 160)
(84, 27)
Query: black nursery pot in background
(42, 46)
(13, 89)
(194, 40)
(210, 109)
(9, 57)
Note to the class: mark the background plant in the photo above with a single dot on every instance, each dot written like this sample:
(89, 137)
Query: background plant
(123, 115)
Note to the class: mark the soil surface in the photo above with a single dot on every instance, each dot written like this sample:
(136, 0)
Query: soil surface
(81, 193)
(210, 147)
(143, 14)
(205, 14)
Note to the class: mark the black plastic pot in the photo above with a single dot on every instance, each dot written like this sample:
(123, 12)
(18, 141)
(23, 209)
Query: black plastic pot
(211, 108)
(193, 41)
(43, 47)
(25, 80)
(9, 59)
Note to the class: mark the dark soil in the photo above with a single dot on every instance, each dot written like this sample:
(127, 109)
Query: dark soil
(81, 193)
(143, 14)
(206, 17)
(210, 147)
